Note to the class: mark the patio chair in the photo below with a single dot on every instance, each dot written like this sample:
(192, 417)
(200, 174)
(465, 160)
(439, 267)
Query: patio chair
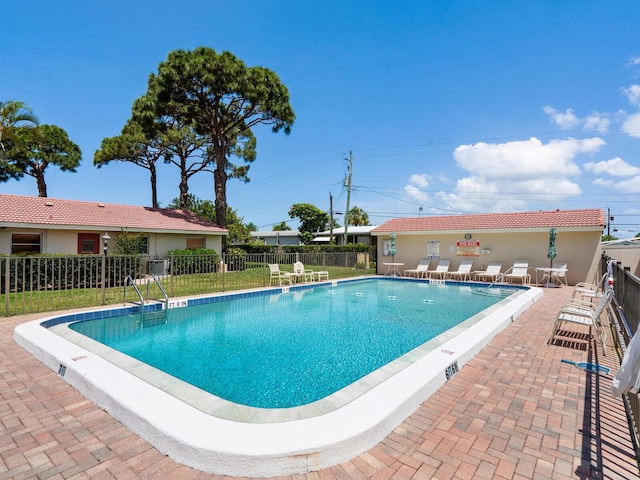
(301, 274)
(519, 271)
(590, 290)
(464, 270)
(491, 273)
(440, 270)
(276, 274)
(420, 270)
(558, 275)
(582, 314)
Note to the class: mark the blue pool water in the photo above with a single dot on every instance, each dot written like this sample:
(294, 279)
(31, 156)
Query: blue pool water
(290, 349)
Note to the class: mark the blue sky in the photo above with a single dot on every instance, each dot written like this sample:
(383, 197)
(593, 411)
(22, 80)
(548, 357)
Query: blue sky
(448, 107)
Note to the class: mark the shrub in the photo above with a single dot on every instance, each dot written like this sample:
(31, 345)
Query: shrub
(200, 260)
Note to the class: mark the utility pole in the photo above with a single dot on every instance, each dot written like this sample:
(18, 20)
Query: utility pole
(346, 213)
(609, 220)
(330, 218)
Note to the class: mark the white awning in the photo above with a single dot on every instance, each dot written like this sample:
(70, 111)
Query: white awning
(322, 239)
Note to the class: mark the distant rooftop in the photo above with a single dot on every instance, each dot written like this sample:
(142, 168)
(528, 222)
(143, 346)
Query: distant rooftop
(352, 230)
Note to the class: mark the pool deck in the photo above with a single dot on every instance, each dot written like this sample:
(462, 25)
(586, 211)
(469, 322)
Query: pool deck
(513, 412)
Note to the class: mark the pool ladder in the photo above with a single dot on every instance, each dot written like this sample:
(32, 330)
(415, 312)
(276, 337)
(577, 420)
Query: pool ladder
(151, 318)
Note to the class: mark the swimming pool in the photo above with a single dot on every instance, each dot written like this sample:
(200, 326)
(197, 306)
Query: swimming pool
(221, 436)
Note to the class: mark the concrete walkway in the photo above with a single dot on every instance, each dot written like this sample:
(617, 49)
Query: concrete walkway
(513, 412)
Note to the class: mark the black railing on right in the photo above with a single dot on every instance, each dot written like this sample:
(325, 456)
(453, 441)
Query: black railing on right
(624, 309)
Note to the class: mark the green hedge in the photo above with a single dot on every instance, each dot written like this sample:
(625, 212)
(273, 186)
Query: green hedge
(200, 260)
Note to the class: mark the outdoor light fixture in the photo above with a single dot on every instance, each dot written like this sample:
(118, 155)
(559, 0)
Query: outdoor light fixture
(105, 242)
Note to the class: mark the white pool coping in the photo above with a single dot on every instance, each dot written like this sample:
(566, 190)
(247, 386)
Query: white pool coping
(246, 443)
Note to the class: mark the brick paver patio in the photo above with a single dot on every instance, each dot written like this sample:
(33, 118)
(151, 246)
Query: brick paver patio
(513, 412)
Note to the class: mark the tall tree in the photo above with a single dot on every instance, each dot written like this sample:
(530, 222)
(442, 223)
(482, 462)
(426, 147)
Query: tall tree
(184, 145)
(224, 99)
(34, 149)
(14, 116)
(312, 219)
(358, 217)
(134, 145)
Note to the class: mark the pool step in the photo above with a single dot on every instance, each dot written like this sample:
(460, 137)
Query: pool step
(154, 318)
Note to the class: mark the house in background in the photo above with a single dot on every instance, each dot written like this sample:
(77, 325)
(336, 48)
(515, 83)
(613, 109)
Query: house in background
(278, 237)
(359, 234)
(626, 251)
(38, 225)
(503, 237)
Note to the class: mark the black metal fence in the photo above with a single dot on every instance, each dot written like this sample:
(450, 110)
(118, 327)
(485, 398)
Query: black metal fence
(624, 312)
(48, 283)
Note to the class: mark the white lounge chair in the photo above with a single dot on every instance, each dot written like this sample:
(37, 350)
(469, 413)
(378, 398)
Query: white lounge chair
(464, 270)
(301, 274)
(581, 314)
(491, 273)
(420, 270)
(519, 271)
(276, 274)
(590, 290)
(441, 269)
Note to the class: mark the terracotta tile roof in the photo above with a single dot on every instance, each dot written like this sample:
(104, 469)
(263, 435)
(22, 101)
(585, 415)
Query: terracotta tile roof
(16, 210)
(579, 219)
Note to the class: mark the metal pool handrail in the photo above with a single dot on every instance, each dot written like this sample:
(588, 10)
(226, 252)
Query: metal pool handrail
(166, 297)
(130, 280)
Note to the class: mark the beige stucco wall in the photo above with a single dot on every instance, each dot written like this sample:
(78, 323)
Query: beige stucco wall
(579, 249)
(66, 241)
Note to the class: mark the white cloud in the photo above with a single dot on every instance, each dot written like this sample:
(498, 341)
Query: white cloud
(631, 125)
(615, 167)
(509, 176)
(415, 186)
(525, 159)
(635, 60)
(419, 180)
(597, 122)
(564, 120)
(631, 185)
(633, 94)
(567, 120)
(603, 183)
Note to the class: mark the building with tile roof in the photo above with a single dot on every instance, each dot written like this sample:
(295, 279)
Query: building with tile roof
(497, 237)
(51, 225)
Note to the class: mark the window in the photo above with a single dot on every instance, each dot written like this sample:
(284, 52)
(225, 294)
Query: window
(194, 243)
(26, 243)
(143, 245)
(87, 245)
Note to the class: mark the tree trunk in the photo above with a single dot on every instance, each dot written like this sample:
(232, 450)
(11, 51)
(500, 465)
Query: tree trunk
(184, 189)
(220, 186)
(42, 186)
(154, 187)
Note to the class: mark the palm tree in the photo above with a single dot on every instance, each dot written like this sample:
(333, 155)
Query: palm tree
(282, 226)
(14, 115)
(358, 217)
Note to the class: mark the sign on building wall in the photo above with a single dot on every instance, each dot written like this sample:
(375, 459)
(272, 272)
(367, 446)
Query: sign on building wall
(433, 249)
(468, 248)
